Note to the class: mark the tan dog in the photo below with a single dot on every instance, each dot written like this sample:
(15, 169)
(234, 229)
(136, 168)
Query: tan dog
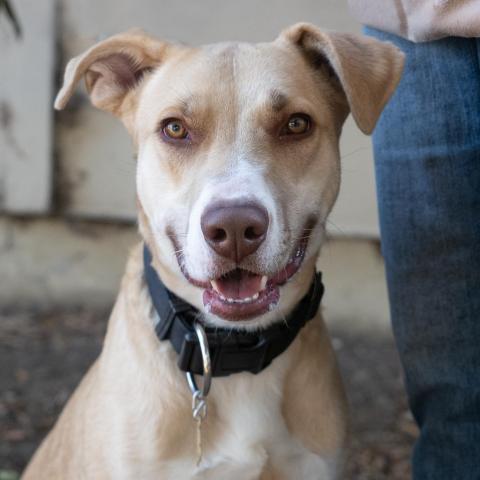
(238, 168)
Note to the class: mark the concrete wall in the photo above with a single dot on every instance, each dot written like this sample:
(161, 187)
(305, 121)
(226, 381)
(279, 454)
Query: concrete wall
(26, 86)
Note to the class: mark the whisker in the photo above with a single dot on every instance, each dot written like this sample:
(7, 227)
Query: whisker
(359, 149)
(337, 227)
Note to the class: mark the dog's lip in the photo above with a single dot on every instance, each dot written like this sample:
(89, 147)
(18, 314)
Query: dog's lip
(265, 300)
(263, 294)
(239, 286)
(279, 278)
(259, 300)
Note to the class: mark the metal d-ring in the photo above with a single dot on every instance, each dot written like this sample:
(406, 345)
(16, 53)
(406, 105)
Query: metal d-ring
(202, 393)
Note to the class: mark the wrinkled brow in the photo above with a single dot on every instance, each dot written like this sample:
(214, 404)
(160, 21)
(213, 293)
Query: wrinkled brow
(186, 103)
(187, 106)
(277, 100)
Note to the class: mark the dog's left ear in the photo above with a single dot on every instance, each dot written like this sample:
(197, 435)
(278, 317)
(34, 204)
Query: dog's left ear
(112, 69)
(367, 69)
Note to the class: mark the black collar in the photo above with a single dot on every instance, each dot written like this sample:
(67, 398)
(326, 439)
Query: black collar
(231, 351)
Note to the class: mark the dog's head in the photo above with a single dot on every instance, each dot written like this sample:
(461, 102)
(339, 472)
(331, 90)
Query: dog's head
(238, 161)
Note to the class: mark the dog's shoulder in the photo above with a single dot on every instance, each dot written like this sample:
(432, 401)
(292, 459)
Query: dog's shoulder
(314, 401)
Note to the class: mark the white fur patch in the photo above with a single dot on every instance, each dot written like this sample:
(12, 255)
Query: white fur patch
(255, 435)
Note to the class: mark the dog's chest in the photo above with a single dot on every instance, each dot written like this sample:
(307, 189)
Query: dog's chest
(250, 436)
(256, 441)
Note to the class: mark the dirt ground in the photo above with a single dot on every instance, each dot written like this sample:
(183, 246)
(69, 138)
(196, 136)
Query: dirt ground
(42, 358)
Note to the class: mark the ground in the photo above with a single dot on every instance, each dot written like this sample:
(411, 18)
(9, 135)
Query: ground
(43, 356)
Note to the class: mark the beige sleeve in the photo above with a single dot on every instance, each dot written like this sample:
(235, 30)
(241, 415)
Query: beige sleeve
(420, 20)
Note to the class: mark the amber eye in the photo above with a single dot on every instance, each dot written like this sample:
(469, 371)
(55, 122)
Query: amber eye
(297, 124)
(174, 129)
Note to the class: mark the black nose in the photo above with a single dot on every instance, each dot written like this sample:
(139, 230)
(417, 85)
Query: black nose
(235, 230)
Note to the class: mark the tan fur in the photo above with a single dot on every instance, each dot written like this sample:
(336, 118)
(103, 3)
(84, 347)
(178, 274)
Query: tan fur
(78, 447)
(131, 415)
(368, 70)
(323, 429)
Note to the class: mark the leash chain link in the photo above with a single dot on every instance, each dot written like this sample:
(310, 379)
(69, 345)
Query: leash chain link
(199, 412)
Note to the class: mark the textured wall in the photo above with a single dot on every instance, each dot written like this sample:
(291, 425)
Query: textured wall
(26, 86)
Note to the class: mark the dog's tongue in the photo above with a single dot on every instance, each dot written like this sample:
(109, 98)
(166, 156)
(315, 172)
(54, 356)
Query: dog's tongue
(239, 284)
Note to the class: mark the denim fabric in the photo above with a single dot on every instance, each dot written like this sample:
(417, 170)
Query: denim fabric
(427, 156)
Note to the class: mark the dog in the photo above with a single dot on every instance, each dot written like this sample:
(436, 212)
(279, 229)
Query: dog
(237, 170)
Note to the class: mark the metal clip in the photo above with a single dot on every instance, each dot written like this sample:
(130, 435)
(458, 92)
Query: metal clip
(207, 366)
(199, 396)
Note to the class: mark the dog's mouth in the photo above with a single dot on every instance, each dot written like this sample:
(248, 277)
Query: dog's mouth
(242, 294)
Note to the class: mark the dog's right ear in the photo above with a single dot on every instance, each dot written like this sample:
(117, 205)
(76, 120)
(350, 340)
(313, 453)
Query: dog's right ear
(112, 69)
(368, 70)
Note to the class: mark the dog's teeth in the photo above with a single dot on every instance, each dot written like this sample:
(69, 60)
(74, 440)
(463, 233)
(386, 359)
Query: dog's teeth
(263, 283)
(215, 285)
(240, 300)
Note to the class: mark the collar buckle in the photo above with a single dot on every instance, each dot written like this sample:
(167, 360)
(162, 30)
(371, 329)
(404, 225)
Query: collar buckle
(226, 356)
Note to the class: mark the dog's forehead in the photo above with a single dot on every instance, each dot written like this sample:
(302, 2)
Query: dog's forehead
(249, 73)
(260, 68)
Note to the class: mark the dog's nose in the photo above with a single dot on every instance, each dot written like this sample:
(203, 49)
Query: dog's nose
(235, 230)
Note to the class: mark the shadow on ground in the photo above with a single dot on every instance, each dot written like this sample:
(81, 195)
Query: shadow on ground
(44, 356)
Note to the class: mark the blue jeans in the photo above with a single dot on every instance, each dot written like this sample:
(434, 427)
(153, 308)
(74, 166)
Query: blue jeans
(427, 156)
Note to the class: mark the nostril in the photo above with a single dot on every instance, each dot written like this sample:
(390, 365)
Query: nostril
(251, 233)
(219, 235)
(234, 230)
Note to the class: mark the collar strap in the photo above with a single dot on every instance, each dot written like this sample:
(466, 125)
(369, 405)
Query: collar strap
(231, 351)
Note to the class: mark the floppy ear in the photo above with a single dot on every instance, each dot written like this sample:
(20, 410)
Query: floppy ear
(112, 68)
(367, 69)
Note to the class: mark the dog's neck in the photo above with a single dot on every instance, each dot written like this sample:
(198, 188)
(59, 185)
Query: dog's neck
(231, 351)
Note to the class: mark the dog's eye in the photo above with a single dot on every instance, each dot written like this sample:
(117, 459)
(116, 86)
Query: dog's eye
(174, 129)
(297, 124)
